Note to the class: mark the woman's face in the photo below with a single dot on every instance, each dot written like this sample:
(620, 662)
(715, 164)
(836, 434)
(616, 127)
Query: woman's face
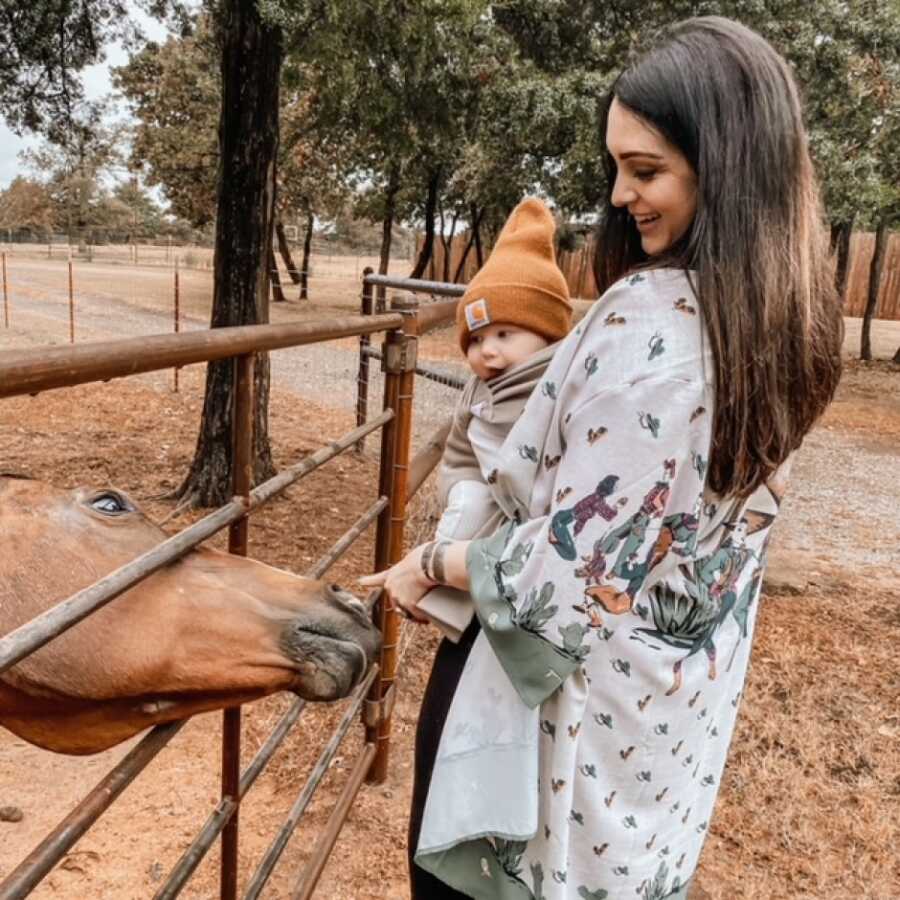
(654, 180)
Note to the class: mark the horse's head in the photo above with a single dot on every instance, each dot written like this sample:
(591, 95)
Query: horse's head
(208, 631)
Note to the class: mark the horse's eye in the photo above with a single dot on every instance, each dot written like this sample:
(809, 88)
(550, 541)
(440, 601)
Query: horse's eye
(111, 504)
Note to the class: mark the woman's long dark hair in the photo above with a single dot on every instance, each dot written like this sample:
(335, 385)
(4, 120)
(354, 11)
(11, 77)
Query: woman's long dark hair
(757, 249)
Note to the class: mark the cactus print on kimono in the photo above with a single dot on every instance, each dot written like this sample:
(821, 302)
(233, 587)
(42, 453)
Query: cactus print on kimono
(617, 610)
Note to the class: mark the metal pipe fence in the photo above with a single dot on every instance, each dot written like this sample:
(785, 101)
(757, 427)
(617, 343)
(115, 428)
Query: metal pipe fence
(436, 312)
(31, 371)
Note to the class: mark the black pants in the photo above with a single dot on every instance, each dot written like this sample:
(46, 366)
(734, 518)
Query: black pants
(445, 674)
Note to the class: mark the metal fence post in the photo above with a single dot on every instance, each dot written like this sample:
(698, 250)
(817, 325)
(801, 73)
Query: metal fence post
(177, 316)
(5, 294)
(71, 302)
(362, 380)
(242, 475)
(399, 363)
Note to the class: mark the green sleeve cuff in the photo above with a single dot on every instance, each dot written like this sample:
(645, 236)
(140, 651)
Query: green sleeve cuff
(535, 666)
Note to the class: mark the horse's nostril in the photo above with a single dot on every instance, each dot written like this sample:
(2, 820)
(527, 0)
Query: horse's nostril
(336, 588)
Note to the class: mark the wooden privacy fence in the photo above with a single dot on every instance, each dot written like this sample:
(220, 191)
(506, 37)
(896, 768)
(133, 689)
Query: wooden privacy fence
(862, 246)
(578, 268)
(32, 371)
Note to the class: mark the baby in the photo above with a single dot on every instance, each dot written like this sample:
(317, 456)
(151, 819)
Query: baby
(514, 309)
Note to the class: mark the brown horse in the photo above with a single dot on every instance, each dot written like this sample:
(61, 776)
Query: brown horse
(208, 631)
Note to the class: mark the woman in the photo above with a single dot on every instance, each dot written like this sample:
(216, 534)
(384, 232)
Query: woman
(587, 735)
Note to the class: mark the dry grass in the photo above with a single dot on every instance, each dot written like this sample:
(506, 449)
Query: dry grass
(810, 805)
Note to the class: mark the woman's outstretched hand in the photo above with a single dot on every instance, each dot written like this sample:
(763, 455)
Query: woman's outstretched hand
(406, 582)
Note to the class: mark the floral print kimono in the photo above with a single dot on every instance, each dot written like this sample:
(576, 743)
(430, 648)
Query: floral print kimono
(584, 748)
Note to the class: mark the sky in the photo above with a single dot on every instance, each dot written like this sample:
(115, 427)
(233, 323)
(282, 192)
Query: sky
(96, 84)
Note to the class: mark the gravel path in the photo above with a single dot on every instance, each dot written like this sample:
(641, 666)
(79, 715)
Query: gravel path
(324, 373)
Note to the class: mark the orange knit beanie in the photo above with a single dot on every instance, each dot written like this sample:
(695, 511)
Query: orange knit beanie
(520, 283)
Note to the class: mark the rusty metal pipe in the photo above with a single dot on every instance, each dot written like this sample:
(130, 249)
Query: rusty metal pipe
(5, 293)
(71, 304)
(362, 378)
(346, 540)
(217, 820)
(264, 870)
(242, 481)
(427, 459)
(23, 879)
(399, 385)
(439, 288)
(436, 315)
(189, 862)
(34, 634)
(31, 371)
(309, 878)
(427, 372)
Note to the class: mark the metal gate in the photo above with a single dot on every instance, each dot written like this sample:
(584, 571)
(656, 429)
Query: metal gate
(32, 371)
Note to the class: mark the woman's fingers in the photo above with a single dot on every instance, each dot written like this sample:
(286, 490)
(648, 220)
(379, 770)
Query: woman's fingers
(375, 580)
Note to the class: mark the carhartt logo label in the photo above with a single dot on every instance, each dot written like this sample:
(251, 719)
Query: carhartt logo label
(477, 314)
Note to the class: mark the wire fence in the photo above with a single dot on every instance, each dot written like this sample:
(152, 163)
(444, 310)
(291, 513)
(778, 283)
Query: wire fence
(61, 300)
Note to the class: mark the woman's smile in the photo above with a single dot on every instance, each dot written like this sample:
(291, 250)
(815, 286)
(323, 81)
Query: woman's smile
(654, 180)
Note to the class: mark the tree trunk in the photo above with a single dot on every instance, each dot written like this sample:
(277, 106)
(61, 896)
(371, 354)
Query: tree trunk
(277, 292)
(877, 264)
(387, 230)
(479, 250)
(448, 244)
(307, 252)
(473, 231)
(248, 145)
(840, 245)
(428, 243)
(285, 250)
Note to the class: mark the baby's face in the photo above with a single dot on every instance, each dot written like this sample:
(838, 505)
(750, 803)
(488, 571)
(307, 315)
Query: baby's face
(498, 347)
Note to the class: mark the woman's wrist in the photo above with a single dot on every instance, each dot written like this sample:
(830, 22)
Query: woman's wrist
(454, 564)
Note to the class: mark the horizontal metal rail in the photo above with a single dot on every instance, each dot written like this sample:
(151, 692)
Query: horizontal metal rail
(415, 285)
(347, 539)
(435, 315)
(427, 459)
(29, 637)
(219, 817)
(426, 372)
(23, 879)
(44, 368)
(273, 854)
(309, 878)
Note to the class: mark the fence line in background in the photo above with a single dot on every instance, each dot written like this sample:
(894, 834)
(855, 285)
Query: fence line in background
(5, 295)
(577, 266)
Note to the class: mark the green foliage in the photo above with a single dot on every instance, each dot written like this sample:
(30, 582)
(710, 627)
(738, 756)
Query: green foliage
(27, 204)
(492, 100)
(44, 44)
(173, 92)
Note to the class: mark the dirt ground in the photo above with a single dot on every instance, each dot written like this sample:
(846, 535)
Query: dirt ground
(810, 805)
